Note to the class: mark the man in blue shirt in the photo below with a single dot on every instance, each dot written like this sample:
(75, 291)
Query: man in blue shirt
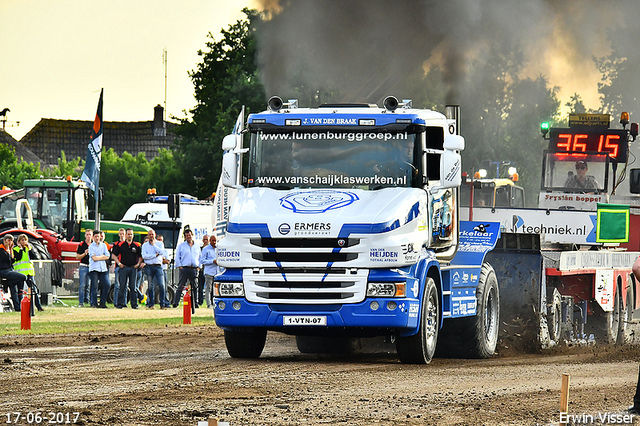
(209, 261)
(188, 263)
(98, 255)
(152, 256)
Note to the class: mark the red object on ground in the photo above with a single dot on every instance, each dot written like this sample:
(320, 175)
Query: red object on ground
(25, 313)
(186, 308)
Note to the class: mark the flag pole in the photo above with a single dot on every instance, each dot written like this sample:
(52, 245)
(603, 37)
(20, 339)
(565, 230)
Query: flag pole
(91, 173)
(96, 195)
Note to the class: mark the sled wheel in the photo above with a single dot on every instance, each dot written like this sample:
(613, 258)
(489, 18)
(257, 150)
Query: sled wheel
(606, 324)
(554, 315)
(419, 348)
(626, 317)
(245, 344)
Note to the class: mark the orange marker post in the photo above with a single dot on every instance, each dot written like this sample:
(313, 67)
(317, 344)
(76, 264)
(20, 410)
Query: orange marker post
(186, 308)
(25, 313)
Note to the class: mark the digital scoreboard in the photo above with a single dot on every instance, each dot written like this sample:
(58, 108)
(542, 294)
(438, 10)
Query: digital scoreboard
(592, 140)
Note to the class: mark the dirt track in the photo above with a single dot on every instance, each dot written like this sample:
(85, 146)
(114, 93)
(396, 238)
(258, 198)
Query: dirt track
(179, 375)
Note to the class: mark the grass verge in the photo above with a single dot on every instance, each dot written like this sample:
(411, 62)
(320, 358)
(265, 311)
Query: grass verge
(71, 319)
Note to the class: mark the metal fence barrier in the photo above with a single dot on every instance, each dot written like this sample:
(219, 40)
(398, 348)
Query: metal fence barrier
(70, 279)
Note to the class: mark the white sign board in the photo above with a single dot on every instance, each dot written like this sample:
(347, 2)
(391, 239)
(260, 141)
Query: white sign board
(554, 226)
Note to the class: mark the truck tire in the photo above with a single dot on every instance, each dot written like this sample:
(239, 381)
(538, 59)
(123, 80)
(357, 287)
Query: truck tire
(420, 348)
(626, 317)
(245, 344)
(606, 324)
(554, 314)
(475, 336)
(483, 327)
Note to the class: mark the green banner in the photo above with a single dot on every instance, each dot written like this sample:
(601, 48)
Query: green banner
(612, 223)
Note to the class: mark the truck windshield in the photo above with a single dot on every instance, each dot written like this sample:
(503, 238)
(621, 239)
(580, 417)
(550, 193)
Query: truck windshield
(575, 172)
(365, 160)
(50, 206)
(8, 205)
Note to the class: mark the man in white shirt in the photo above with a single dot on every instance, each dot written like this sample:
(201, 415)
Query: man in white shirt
(98, 255)
(152, 256)
(209, 261)
(188, 262)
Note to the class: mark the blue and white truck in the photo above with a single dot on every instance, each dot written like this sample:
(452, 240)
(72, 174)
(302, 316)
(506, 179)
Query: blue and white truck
(344, 223)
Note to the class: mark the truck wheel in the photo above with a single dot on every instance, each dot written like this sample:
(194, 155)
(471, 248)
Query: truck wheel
(483, 327)
(606, 324)
(626, 316)
(245, 344)
(554, 315)
(419, 348)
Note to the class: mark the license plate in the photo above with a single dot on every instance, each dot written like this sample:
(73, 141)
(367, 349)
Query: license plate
(304, 320)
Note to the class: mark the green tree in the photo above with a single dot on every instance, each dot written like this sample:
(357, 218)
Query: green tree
(224, 81)
(126, 179)
(576, 105)
(12, 173)
(619, 85)
(501, 115)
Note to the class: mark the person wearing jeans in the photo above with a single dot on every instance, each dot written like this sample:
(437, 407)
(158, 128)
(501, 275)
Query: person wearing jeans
(82, 255)
(14, 280)
(128, 259)
(152, 256)
(209, 262)
(98, 255)
(188, 264)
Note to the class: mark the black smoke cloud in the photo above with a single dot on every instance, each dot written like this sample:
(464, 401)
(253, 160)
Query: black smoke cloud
(362, 50)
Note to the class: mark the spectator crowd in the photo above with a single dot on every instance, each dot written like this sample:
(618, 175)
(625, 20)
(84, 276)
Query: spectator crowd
(195, 264)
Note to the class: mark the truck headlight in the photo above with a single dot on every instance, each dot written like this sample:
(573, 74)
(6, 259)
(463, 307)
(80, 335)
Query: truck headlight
(228, 289)
(386, 290)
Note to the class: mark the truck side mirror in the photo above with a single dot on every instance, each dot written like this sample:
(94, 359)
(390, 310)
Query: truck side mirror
(450, 171)
(230, 170)
(229, 142)
(454, 143)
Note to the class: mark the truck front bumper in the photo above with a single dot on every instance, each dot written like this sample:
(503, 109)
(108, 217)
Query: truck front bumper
(381, 313)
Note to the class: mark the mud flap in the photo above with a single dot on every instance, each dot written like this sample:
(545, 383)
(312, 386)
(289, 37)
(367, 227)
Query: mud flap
(517, 261)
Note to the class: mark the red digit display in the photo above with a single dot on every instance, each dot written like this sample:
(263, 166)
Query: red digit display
(598, 140)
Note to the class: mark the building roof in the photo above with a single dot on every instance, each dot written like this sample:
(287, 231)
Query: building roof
(51, 136)
(22, 152)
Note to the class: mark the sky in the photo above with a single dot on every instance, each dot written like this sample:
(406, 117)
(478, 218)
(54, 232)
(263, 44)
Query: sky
(55, 56)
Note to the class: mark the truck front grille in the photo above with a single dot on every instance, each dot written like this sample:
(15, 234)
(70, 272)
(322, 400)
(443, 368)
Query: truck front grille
(305, 257)
(319, 288)
(305, 242)
(305, 250)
